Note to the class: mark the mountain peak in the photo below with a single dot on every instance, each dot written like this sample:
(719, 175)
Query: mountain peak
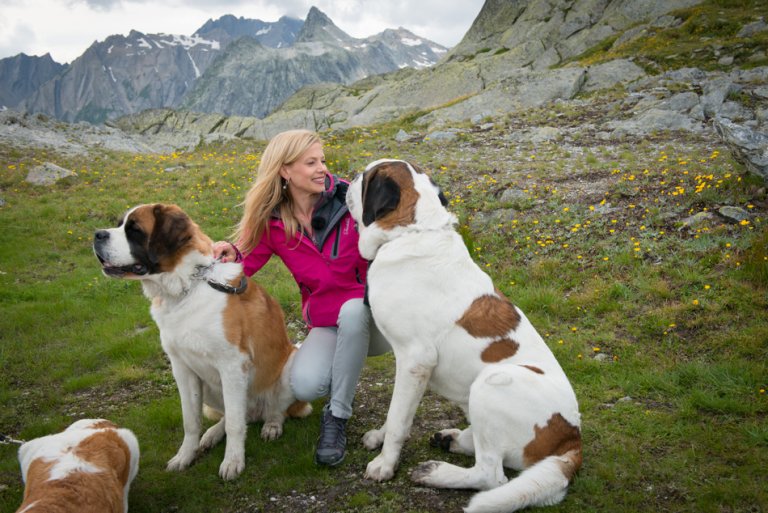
(318, 27)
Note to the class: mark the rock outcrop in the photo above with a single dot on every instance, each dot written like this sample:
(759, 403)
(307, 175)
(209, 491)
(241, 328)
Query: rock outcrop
(544, 33)
(748, 146)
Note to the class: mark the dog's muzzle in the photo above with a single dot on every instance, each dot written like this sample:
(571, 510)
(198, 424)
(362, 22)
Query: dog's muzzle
(100, 239)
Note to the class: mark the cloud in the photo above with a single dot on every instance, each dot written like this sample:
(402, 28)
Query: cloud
(15, 37)
(100, 5)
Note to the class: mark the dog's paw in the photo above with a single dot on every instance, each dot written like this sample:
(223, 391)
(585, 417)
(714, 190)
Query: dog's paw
(443, 439)
(212, 437)
(423, 471)
(231, 468)
(379, 470)
(373, 439)
(181, 461)
(271, 430)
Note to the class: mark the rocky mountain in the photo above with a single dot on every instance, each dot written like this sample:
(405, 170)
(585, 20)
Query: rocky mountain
(229, 28)
(22, 75)
(540, 34)
(128, 74)
(249, 79)
(124, 74)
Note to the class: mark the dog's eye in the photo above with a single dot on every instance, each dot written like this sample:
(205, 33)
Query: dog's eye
(132, 227)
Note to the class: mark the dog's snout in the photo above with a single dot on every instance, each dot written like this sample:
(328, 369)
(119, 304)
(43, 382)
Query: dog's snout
(101, 236)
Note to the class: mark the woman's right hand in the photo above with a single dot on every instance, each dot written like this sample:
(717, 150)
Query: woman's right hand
(224, 251)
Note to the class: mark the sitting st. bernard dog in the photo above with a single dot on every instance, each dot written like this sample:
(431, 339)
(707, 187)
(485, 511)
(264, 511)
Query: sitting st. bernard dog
(87, 468)
(224, 335)
(452, 330)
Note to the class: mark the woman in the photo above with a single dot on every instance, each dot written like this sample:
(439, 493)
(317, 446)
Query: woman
(297, 210)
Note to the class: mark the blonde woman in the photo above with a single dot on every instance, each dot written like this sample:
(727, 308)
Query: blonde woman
(297, 210)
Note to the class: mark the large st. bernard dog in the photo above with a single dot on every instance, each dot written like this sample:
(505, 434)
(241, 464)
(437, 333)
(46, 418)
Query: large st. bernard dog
(452, 330)
(87, 468)
(224, 335)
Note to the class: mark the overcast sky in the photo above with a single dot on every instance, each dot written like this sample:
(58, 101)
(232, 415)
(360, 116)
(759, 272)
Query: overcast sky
(66, 28)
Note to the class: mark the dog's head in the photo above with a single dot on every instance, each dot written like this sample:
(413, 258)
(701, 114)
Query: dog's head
(391, 197)
(149, 240)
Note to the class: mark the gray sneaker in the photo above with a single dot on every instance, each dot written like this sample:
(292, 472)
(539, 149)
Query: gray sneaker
(332, 443)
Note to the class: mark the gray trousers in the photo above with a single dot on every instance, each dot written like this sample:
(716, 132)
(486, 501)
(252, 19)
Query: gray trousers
(330, 359)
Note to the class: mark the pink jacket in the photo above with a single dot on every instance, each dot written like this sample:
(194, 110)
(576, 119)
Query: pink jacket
(328, 269)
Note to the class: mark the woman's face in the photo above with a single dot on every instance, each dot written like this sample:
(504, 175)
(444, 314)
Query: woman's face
(307, 173)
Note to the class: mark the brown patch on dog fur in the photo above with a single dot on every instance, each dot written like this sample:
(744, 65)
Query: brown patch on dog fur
(103, 424)
(499, 350)
(490, 316)
(558, 438)
(171, 234)
(105, 449)
(254, 322)
(86, 492)
(533, 368)
(405, 213)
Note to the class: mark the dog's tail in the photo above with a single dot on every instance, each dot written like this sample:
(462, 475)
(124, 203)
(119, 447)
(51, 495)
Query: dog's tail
(299, 409)
(543, 484)
(211, 413)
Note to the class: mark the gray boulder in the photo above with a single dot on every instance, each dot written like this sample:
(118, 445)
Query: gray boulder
(748, 146)
(47, 174)
(733, 214)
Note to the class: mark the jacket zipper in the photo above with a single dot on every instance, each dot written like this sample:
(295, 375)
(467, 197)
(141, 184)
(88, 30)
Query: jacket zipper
(335, 249)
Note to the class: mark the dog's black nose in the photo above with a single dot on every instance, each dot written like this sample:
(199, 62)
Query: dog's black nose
(101, 236)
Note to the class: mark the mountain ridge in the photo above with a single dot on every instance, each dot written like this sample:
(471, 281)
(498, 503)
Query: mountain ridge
(126, 74)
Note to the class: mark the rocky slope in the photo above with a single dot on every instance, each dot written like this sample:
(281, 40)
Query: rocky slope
(544, 33)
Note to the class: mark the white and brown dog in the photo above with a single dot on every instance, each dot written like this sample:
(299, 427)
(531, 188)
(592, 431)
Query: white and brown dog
(224, 335)
(453, 331)
(87, 468)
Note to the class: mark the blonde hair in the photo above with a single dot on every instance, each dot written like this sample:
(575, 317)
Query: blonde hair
(267, 193)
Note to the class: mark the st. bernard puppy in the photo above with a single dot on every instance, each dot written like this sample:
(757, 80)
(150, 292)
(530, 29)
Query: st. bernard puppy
(87, 468)
(451, 329)
(224, 335)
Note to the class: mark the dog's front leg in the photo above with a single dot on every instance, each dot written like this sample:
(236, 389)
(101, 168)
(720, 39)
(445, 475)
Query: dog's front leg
(235, 391)
(191, 394)
(410, 383)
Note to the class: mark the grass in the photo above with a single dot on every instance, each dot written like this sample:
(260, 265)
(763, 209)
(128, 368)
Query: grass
(660, 327)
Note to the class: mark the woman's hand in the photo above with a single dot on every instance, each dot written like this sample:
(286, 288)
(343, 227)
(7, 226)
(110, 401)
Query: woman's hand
(224, 251)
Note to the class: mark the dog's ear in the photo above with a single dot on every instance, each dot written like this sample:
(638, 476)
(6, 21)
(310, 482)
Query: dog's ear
(443, 199)
(171, 232)
(381, 195)
(440, 195)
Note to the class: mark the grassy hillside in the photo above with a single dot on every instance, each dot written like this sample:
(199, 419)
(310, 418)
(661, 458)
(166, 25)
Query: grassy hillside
(660, 326)
(709, 36)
